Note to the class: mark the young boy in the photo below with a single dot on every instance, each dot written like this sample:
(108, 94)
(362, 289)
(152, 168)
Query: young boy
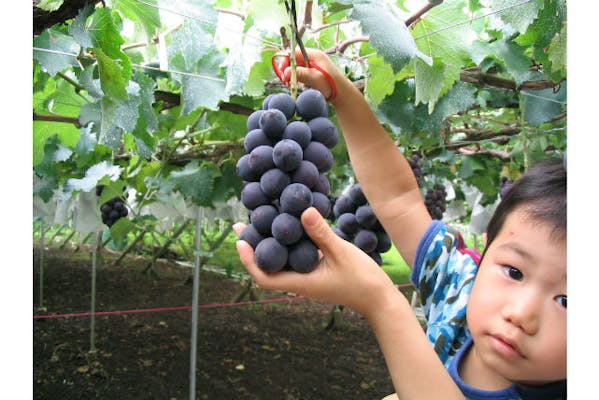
(497, 325)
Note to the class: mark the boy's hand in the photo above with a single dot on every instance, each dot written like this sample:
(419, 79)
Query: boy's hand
(345, 274)
(313, 78)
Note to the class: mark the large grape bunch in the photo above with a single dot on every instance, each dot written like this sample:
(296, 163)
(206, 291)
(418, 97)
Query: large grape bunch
(434, 199)
(288, 152)
(357, 223)
(113, 210)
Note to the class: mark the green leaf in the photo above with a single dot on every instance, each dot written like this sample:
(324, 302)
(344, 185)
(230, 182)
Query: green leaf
(268, 15)
(114, 65)
(120, 229)
(450, 49)
(557, 52)
(429, 82)
(388, 33)
(380, 81)
(42, 131)
(510, 16)
(242, 56)
(93, 175)
(147, 122)
(144, 13)
(513, 56)
(112, 78)
(53, 40)
(196, 182)
(78, 28)
(49, 5)
(457, 99)
(260, 73)
(540, 106)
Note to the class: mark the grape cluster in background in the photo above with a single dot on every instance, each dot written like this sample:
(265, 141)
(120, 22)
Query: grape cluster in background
(288, 151)
(113, 210)
(357, 223)
(434, 198)
(504, 186)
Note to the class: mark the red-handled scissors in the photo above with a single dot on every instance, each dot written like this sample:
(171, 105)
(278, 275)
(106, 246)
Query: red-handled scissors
(279, 68)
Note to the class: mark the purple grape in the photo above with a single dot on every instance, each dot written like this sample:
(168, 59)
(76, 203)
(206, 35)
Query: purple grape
(284, 103)
(271, 255)
(255, 138)
(320, 155)
(322, 185)
(322, 203)
(366, 217)
(273, 123)
(244, 171)
(253, 121)
(287, 229)
(260, 159)
(306, 173)
(324, 131)
(273, 182)
(298, 131)
(251, 235)
(262, 217)
(303, 256)
(252, 196)
(365, 240)
(287, 154)
(348, 223)
(295, 198)
(311, 104)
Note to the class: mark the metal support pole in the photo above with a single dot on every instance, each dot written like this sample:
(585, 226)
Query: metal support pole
(42, 263)
(92, 331)
(194, 306)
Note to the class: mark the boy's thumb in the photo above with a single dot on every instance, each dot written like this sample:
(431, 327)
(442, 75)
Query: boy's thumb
(317, 228)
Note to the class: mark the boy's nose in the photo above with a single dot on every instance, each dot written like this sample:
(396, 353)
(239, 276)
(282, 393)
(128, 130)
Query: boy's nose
(523, 311)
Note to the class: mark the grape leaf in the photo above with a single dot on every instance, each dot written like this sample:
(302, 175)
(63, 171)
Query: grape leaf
(196, 182)
(512, 55)
(260, 73)
(388, 33)
(113, 64)
(449, 48)
(380, 81)
(120, 229)
(242, 56)
(511, 17)
(49, 5)
(56, 41)
(557, 52)
(119, 115)
(268, 15)
(93, 175)
(144, 13)
(147, 121)
(42, 131)
(78, 28)
(540, 106)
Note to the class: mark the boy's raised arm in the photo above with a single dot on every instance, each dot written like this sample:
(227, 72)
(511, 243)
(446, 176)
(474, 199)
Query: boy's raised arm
(383, 172)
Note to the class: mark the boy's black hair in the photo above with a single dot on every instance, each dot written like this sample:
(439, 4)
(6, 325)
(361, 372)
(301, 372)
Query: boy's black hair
(542, 193)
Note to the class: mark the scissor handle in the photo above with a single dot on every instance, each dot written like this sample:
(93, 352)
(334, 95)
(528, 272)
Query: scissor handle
(279, 68)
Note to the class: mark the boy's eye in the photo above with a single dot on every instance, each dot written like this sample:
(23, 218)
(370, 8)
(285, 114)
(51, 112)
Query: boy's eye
(513, 273)
(562, 300)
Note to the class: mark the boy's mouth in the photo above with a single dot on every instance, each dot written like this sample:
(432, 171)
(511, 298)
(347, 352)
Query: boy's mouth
(505, 346)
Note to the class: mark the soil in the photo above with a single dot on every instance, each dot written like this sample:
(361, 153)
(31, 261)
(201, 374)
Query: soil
(252, 350)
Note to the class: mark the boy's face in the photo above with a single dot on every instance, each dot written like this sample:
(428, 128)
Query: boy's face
(517, 312)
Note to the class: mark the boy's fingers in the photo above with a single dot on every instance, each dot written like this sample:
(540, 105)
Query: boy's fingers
(238, 227)
(319, 231)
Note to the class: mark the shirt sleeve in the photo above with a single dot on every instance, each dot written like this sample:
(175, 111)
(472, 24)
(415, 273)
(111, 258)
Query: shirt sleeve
(443, 272)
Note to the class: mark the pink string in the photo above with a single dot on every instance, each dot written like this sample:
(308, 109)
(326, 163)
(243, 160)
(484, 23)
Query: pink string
(179, 308)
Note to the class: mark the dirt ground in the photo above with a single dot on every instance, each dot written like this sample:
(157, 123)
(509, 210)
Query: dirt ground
(274, 350)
